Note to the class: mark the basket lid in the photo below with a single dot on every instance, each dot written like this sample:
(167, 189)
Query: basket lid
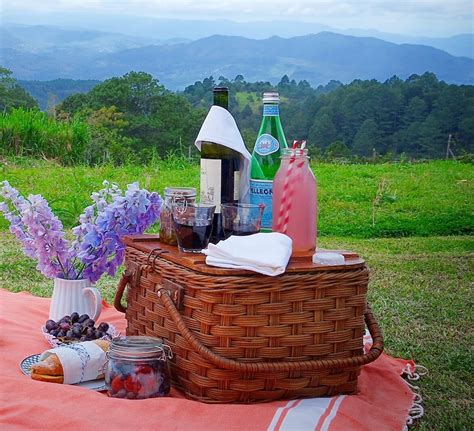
(299, 262)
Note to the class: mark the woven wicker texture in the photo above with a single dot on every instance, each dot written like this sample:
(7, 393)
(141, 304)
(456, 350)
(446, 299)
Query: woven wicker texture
(253, 338)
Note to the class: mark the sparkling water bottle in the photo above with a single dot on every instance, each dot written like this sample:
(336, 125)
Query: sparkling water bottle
(266, 156)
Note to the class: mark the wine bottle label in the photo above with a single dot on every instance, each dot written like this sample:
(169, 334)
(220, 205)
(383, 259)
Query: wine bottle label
(266, 144)
(261, 192)
(271, 110)
(211, 172)
(236, 185)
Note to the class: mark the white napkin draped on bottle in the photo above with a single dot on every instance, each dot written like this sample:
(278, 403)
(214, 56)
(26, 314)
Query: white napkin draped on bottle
(265, 253)
(221, 128)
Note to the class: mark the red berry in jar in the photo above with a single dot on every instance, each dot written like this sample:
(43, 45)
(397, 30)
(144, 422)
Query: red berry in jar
(132, 384)
(143, 369)
(116, 384)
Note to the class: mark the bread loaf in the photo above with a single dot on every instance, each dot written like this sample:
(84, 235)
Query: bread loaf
(51, 370)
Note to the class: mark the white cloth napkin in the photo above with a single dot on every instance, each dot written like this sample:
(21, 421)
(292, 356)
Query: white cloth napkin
(221, 128)
(265, 253)
(81, 361)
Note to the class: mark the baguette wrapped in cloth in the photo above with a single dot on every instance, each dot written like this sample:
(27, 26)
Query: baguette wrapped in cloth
(72, 363)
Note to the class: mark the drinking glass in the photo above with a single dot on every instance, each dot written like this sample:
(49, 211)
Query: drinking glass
(241, 219)
(193, 226)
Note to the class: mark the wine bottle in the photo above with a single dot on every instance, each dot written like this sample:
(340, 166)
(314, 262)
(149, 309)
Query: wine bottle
(266, 156)
(220, 172)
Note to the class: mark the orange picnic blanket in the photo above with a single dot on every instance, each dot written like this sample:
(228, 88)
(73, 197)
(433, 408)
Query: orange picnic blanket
(383, 401)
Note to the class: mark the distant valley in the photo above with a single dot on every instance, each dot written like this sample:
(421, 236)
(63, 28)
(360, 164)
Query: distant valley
(48, 53)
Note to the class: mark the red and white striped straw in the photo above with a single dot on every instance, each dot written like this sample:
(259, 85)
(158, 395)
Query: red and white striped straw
(285, 194)
(288, 190)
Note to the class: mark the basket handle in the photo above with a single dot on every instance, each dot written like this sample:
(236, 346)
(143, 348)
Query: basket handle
(123, 282)
(230, 364)
(130, 276)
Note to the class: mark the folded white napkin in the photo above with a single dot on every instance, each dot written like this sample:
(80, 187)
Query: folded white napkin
(265, 253)
(81, 362)
(221, 128)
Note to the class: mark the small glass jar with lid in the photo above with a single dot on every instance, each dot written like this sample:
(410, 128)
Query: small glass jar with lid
(173, 195)
(137, 368)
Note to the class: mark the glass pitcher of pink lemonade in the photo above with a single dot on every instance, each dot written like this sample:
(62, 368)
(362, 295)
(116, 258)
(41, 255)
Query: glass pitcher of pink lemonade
(294, 199)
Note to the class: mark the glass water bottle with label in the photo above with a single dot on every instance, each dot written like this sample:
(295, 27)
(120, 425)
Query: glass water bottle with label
(266, 156)
(220, 172)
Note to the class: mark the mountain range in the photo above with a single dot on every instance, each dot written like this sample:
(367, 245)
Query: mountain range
(149, 30)
(45, 53)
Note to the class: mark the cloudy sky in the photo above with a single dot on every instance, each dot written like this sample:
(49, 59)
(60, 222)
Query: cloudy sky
(415, 17)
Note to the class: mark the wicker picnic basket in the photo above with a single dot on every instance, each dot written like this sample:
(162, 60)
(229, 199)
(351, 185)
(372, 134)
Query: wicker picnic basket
(241, 337)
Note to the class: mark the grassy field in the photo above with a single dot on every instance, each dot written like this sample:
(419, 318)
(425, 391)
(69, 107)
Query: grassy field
(420, 286)
(364, 201)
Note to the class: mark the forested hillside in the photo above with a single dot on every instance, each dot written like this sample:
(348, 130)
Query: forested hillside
(134, 118)
(414, 117)
(50, 93)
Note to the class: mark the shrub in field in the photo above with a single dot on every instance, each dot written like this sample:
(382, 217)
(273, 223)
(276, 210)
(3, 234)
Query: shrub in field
(33, 133)
(107, 145)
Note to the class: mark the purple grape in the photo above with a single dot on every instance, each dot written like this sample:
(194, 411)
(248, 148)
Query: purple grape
(83, 318)
(74, 317)
(54, 332)
(65, 319)
(61, 333)
(50, 325)
(98, 334)
(69, 334)
(64, 326)
(104, 327)
(89, 322)
(77, 331)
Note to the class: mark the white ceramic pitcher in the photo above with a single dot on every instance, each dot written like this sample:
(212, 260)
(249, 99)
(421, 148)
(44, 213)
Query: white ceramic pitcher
(74, 295)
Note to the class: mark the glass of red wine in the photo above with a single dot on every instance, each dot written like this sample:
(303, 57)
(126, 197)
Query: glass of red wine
(193, 226)
(241, 219)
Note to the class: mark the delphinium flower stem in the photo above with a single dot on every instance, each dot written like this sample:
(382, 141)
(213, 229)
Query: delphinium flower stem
(98, 246)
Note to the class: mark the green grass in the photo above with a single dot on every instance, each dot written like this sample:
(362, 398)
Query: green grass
(421, 282)
(420, 290)
(423, 199)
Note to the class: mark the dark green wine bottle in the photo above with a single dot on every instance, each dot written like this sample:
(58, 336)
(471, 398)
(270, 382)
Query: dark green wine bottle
(220, 172)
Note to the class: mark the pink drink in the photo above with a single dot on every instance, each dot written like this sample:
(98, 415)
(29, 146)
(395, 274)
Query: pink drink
(295, 200)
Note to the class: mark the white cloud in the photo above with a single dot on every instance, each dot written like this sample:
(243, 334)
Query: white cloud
(388, 15)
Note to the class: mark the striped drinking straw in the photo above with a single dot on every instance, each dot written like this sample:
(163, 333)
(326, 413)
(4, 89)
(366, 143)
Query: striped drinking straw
(288, 189)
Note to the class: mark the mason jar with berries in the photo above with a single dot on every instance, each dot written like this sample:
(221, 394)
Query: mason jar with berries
(138, 368)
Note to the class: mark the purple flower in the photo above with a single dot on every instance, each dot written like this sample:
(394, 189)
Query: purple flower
(38, 229)
(124, 215)
(98, 246)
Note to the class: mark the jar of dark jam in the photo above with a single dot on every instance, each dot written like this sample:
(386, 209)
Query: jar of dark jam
(173, 195)
(137, 368)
